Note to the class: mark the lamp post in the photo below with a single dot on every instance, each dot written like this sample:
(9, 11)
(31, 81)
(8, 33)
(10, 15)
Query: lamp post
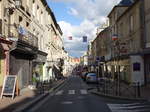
(117, 45)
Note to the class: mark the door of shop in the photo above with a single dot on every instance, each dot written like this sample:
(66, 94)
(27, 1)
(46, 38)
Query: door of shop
(21, 68)
(23, 73)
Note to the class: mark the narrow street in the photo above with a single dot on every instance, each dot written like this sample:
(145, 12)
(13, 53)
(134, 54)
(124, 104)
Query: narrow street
(74, 97)
(74, 55)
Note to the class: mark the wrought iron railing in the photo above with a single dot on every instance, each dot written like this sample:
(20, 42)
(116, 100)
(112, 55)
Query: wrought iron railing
(21, 34)
(29, 38)
(110, 87)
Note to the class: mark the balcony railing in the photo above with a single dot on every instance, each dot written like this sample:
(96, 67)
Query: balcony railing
(29, 38)
(51, 63)
(21, 34)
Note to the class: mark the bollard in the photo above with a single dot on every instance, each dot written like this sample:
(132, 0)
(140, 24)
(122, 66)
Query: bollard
(135, 89)
(138, 89)
(105, 87)
(98, 90)
(116, 88)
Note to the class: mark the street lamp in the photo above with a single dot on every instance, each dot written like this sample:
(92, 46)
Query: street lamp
(117, 44)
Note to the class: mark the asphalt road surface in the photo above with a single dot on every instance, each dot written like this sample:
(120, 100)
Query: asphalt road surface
(74, 97)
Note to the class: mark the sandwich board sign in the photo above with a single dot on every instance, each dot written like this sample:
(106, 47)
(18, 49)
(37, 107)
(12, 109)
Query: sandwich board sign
(9, 85)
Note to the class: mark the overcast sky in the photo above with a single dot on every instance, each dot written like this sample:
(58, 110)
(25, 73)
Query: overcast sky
(78, 18)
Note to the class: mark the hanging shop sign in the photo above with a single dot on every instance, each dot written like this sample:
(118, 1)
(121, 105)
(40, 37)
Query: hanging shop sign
(114, 37)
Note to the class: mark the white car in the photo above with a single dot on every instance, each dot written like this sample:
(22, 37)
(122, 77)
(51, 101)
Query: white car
(91, 78)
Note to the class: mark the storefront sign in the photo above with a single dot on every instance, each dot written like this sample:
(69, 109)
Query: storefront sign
(114, 37)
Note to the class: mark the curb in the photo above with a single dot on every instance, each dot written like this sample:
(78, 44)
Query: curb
(118, 97)
(28, 105)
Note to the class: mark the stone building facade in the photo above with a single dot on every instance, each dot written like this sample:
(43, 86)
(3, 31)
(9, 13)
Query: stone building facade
(16, 28)
(30, 39)
(130, 44)
(124, 56)
(146, 51)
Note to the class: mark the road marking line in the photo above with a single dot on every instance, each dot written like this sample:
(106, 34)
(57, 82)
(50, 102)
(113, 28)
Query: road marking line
(127, 104)
(83, 91)
(67, 102)
(133, 107)
(71, 92)
(59, 92)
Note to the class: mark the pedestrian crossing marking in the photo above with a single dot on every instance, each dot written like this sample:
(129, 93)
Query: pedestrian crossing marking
(67, 102)
(83, 91)
(131, 107)
(71, 92)
(59, 92)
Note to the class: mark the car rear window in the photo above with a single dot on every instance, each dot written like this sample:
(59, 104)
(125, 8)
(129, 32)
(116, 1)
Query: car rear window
(91, 74)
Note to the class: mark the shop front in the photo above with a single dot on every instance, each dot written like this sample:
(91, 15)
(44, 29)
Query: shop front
(21, 56)
(38, 64)
(130, 69)
(4, 59)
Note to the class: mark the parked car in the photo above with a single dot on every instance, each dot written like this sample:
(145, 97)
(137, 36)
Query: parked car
(91, 77)
(83, 75)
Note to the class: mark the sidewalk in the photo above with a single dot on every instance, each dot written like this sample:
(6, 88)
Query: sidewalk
(145, 92)
(128, 92)
(26, 96)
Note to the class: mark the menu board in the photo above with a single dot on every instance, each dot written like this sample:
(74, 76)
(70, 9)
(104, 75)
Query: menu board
(9, 85)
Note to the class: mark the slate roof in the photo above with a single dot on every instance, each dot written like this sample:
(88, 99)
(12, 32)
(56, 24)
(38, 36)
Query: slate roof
(126, 2)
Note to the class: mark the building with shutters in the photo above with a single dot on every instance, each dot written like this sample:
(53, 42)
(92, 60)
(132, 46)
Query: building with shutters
(30, 41)
(123, 56)
(146, 52)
